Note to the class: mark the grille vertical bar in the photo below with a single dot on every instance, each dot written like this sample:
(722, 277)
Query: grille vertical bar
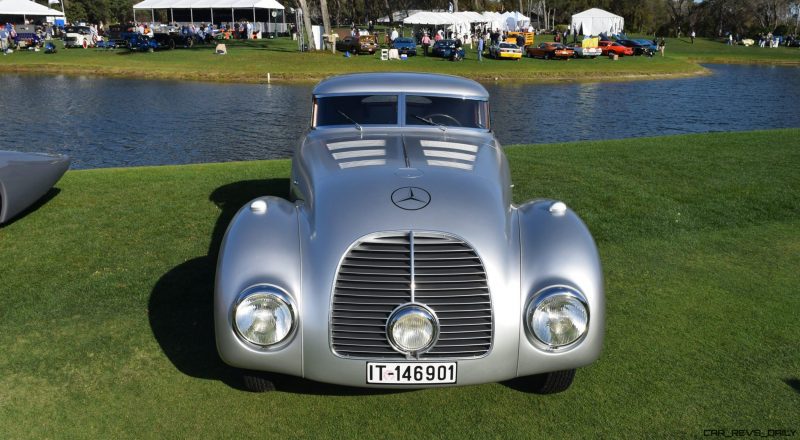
(384, 271)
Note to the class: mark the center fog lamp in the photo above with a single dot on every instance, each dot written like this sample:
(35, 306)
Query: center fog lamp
(557, 317)
(264, 316)
(412, 328)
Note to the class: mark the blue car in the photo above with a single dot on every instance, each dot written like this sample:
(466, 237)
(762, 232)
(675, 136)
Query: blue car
(650, 44)
(447, 49)
(405, 45)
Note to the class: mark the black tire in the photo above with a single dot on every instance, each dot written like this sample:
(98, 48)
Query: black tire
(189, 43)
(547, 56)
(171, 44)
(550, 383)
(257, 382)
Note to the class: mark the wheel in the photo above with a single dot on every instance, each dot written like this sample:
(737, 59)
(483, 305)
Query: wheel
(547, 56)
(171, 44)
(550, 383)
(85, 44)
(189, 43)
(257, 382)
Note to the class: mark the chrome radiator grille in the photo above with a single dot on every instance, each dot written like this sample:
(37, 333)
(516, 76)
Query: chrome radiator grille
(384, 271)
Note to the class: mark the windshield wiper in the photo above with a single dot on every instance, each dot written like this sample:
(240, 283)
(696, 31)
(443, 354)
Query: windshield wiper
(358, 126)
(430, 122)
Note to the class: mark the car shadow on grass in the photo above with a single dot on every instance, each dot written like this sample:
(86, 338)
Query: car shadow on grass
(49, 195)
(794, 383)
(180, 309)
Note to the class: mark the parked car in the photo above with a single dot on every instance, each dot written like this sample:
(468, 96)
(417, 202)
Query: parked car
(612, 47)
(550, 51)
(120, 35)
(399, 260)
(505, 50)
(405, 45)
(584, 52)
(639, 48)
(25, 178)
(650, 44)
(446, 49)
(142, 43)
(360, 44)
(27, 36)
(172, 40)
(78, 36)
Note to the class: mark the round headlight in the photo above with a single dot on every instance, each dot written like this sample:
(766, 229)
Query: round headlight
(558, 317)
(264, 316)
(412, 328)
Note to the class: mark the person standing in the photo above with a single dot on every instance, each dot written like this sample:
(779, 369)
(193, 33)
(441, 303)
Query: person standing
(692, 35)
(426, 43)
(480, 48)
(661, 45)
(394, 35)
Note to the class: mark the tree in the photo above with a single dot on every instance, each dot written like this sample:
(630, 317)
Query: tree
(303, 6)
(326, 19)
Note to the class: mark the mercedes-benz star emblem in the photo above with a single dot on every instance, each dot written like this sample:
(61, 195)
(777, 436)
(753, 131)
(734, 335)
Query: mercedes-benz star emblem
(411, 198)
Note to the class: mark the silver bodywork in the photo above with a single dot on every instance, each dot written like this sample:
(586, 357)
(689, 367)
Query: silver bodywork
(25, 178)
(340, 200)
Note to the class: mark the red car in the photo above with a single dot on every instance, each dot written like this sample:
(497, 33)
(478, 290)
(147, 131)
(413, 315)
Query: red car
(549, 51)
(609, 47)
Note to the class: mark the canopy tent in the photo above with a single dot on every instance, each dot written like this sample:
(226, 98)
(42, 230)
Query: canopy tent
(224, 5)
(458, 22)
(206, 4)
(515, 21)
(494, 20)
(27, 8)
(597, 21)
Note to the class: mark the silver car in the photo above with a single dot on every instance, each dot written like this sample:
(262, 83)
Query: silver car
(400, 260)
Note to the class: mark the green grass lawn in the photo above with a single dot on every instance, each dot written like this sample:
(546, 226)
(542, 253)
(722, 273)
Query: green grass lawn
(106, 330)
(251, 61)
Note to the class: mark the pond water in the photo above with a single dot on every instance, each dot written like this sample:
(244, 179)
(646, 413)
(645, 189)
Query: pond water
(102, 122)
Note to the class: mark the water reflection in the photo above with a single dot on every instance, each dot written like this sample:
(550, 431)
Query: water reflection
(103, 122)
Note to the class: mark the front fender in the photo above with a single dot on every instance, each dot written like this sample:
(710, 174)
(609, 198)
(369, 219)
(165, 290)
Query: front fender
(259, 248)
(557, 249)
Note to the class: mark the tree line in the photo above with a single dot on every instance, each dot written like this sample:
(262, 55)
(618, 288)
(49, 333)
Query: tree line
(710, 18)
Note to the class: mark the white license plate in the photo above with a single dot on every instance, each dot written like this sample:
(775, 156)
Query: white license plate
(402, 373)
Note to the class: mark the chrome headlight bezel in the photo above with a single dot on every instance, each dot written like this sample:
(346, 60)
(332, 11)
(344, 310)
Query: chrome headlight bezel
(282, 296)
(549, 292)
(397, 314)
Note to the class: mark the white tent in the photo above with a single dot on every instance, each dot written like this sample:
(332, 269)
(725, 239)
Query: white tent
(206, 4)
(224, 5)
(596, 21)
(27, 8)
(495, 20)
(515, 21)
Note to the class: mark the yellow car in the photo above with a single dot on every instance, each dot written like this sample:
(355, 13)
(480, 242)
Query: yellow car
(505, 50)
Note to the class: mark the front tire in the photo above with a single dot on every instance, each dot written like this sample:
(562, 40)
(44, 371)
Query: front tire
(550, 383)
(257, 382)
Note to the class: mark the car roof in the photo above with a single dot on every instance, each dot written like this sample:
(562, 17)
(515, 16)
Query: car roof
(401, 82)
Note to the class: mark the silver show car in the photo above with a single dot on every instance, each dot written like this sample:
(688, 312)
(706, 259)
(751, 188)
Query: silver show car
(25, 178)
(401, 261)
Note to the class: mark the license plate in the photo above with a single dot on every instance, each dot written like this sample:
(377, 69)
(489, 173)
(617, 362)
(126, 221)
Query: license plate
(402, 373)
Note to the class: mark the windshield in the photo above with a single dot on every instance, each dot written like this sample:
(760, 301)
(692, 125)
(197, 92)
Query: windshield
(359, 109)
(449, 112)
(436, 111)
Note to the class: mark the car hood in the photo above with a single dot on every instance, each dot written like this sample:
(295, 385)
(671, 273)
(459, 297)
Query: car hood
(353, 184)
